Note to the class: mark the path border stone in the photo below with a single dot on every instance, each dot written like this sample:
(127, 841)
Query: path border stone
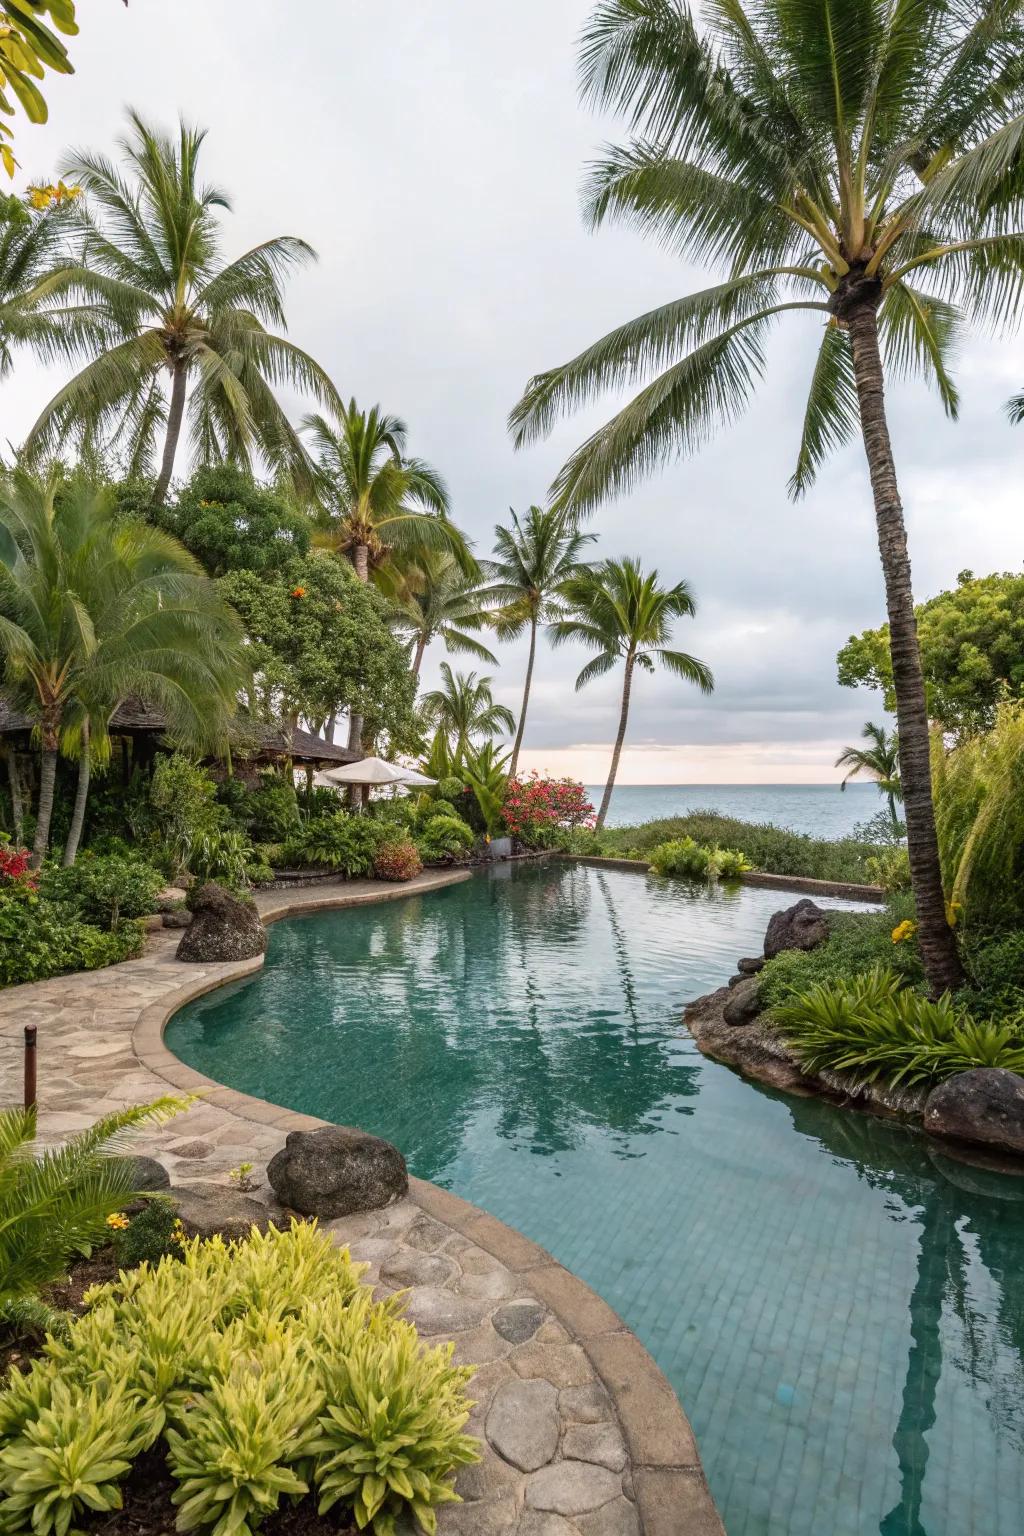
(664, 1491)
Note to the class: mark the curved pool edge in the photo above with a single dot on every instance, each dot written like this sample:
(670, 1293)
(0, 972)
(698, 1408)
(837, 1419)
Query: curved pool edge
(670, 1488)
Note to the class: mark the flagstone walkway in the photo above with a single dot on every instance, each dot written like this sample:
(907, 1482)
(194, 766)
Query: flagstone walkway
(581, 1434)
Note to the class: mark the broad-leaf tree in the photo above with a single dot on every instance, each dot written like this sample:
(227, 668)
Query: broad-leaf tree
(438, 601)
(627, 616)
(463, 710)
(95, 610)
(855, 165)
(29, 46)
(192, 329)
(533, 558)
(880, 760)
(231, 522)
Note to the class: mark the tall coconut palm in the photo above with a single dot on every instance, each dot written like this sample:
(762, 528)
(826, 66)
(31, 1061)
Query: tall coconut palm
(532, 560)
(34, 308)
(626, 616)
(881, 760)
(94, 610)
(374, 499)
(858, 164)
(463, 709)
(150, 260)
(439, 601)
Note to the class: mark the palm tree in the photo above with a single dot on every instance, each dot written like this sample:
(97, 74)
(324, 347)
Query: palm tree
(831, 158)
(439, 601)
(150, 261)
(463, 709)
(33, 284)
(881, 760)
(532, 560)
(626, 616)
(94, 610)
(375, 500)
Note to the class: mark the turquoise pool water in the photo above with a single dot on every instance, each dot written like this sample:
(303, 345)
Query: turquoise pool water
(840, 1309)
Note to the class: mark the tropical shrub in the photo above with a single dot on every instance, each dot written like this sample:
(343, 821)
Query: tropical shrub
(55, 1206)
(264, 1369)
(995, 964)
(148, 1235)
(444, 839)
(767, 847)
(339, 842)
(273, 810)
(106, 889)
(979, 816)
(877, 1029)
(534, 806)
(890, 868)
(397, 861)
(857, 942)
(686, 859)
(41, 938)
(732, 864)
(182, 796)
(449, 787)
(223, 854)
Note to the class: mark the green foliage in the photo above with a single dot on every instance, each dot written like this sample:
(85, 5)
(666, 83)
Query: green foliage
(995, 964)
(463, 710)
(183, 800)
(55, 1205)
(397, 860)
(28, 47)
(768, 847)
(876, 1029)
(41, 938)
(857, 943)
(890, 868)
(266, 1370)
(231, 522)
(972, 651)
(151, 1234)
(444, 839)
(687, 859)
(340, 842)
(486, 773)
(449, 788)
(979, 816)
(106, 889)
(272, 810)
(225, 855)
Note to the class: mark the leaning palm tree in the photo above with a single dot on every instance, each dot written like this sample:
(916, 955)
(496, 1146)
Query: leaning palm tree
(626, 616)
(532, 560)
(94, 610)
(150, 260)
(463, 710)
(855, 163)
(374, 499)
(881, 760)
(437, 600)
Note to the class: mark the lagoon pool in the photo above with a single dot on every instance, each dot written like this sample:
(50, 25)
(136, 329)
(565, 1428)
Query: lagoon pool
(840, 1308)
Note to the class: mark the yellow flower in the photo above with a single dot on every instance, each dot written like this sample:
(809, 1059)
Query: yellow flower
(119, 1221)
(178, 1234)
(904, 930)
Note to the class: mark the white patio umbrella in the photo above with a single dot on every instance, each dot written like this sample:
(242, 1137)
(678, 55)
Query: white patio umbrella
(374, 771)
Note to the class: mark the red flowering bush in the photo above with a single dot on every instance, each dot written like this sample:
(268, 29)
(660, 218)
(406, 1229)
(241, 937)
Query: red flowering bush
(536, 809)
(397, 861)
(14, 866)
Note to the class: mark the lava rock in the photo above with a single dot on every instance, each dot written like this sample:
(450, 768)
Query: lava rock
(222, 928)
(734, 981)
(148, 1174)
(743, 1005)
(985, 1105)
(181, 917)
(802, 926)
(335, 1170)
(751, 966)
(206, 1209)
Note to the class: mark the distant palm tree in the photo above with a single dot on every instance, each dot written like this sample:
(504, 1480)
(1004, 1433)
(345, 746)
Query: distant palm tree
(626, 616)
(150, 260)
(94, 610)
(374, 498)
(463, 709)
(881, 760)
(533, 559)
(437, 600)
(830, 157)
(33, 286)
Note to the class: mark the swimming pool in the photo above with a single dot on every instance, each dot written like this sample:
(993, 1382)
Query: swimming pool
(840, 1308)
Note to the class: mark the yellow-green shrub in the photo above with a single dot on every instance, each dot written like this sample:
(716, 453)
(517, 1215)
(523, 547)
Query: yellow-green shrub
(267, 1368)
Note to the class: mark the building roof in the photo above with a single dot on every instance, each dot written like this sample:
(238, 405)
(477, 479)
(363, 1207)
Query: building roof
(251, 738)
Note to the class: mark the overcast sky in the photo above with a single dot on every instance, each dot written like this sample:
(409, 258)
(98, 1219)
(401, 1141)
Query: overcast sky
(431, 151)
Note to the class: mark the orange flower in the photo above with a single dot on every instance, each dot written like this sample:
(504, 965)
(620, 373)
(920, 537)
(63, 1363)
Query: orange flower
(297, 592)
(119, 1221)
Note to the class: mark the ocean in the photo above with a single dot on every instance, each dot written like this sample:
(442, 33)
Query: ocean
(822, 810)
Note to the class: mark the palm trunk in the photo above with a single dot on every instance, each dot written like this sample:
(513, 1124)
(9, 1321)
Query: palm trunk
(174, 417)
(332, 720)
(361, 566)
(47, 781)
(937, 943)
(17, 807)
(361, 561)
(421, 646)
(627, 684)
(526, 697)
(81, 797)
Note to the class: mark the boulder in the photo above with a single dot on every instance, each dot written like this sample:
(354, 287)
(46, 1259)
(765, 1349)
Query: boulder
(206, 1209)
(751, 966)
(743, 1006)
(181, 917)
(148, 1174)
(335, 1170)
(802, 926)
(985, 1106)
(222, 928)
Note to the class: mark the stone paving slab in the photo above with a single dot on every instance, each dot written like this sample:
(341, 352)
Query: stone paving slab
(581, 1435)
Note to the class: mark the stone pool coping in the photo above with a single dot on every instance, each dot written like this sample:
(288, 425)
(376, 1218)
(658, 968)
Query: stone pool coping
(847, 889)
(126, 1009)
